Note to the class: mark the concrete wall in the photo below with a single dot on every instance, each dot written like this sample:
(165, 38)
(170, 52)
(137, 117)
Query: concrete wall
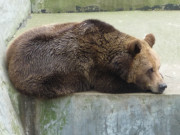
(58, 6)
(104, 114)
(12, 13)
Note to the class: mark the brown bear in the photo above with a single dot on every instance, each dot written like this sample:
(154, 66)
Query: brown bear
(60, 59)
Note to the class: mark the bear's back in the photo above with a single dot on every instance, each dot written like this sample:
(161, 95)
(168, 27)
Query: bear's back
(34, 54)
(45, 33)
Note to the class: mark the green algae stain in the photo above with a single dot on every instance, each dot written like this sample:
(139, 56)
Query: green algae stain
(64, 115)
(16, 128)
(57, 6)
(53, 116)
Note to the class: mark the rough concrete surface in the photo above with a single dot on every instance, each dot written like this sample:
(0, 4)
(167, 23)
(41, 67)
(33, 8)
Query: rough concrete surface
(105, 114)
(9, 121)
(12, 14)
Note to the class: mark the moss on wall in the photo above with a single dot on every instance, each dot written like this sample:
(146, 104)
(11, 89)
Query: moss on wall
(52, 116)
(58, 6)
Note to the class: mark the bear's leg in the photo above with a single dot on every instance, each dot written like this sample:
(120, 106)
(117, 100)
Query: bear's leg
(75, 83)
(63, 85)
(36, 88)
(111, 83)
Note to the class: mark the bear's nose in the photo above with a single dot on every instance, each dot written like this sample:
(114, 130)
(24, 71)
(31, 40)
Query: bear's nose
(162, 87)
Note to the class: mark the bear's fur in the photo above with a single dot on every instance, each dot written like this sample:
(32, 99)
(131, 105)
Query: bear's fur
(60, 59)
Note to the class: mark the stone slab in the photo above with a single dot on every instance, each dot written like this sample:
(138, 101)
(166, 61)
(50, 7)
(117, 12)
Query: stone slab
(106, 114)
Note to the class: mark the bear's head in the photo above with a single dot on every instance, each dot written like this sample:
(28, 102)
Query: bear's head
(144, 69)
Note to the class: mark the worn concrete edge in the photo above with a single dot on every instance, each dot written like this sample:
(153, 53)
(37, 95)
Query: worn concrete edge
(92, 93)
(22, 24)
(104, 95)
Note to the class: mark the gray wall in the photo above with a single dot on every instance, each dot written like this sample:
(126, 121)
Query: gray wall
(12, 13)
(58, 6)
(105, 114)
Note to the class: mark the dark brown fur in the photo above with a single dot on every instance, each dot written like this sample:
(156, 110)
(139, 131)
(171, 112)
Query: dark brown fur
(56, 60)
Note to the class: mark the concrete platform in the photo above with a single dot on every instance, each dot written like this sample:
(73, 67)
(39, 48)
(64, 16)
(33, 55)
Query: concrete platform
(102, 114)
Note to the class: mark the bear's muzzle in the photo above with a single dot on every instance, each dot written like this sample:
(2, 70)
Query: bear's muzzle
(162, 87)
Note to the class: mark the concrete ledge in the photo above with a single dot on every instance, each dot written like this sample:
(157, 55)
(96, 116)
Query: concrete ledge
(105, 114)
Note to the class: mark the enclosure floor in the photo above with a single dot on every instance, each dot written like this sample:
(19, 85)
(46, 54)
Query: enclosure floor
(165, 25)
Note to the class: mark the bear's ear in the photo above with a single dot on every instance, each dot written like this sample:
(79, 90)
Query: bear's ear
(150, 39)
(134, 47)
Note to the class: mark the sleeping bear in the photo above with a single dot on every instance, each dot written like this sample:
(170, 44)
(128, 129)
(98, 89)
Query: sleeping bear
(60, 59)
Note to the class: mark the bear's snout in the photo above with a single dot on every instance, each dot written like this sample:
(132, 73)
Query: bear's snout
(162, 87)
